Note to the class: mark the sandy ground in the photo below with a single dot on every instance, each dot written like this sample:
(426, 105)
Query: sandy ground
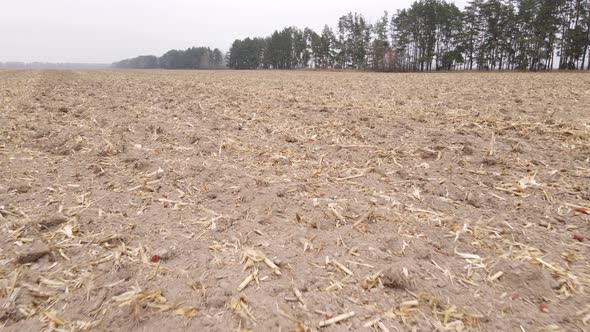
(294, 201)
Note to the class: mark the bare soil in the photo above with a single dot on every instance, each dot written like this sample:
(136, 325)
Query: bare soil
(305, 201)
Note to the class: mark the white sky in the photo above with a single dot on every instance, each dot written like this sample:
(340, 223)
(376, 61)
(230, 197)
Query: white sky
(103, 31)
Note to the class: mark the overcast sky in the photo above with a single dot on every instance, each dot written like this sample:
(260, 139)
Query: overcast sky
(104, 31)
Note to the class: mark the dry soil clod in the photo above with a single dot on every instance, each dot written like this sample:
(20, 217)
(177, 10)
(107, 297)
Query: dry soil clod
(32, 252)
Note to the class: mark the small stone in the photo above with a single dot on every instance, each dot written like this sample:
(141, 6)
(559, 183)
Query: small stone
(468, 150)
(32, 253)
(474, 201)
(557, 283)
(20, 188)
(53, 221)
(163, 254)
(281, 161)
(394, 278)
(476, 277)
(290, 139)
(216, 300)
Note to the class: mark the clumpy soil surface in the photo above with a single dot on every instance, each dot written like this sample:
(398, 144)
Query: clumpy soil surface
(294, 201)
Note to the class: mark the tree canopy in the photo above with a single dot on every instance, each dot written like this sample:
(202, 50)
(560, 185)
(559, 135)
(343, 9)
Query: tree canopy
(428, 35)
(434, 35)
(191, 58)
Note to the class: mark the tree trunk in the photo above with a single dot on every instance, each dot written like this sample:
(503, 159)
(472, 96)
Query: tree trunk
(586, 48)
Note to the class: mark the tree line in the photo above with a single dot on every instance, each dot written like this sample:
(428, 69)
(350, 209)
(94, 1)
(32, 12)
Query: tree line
(191, 58)
(434, 35)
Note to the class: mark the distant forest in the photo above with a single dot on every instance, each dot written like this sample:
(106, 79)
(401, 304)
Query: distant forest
(192, 58)
(434, 35)
(430, 35)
